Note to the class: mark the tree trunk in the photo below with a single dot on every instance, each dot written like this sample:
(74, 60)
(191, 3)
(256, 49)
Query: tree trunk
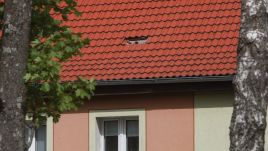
(248, 121)
(13, 59)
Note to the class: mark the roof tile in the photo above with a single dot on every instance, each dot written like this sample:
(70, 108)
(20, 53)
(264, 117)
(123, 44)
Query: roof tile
(185, 38)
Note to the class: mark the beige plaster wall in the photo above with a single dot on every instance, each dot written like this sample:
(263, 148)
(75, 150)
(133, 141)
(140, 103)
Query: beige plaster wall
(212, 119)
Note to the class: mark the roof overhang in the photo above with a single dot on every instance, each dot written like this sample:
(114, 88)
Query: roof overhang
(166, 80)
(164, 85)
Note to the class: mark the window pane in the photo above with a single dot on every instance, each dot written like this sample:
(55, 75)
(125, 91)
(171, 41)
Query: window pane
(111, 143)
(132, 128)
(111, 135)
(133, 143)
(132, 135)
(41, 138)
(110, 128)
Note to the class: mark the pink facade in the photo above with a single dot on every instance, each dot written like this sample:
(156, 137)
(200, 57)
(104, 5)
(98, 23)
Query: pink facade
(71, 133)
(169, 122)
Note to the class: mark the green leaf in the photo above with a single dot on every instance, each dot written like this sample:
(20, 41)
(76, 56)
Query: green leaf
(36, 42)
(81, 93)
(67, 99)
(45, 87)
(38, 59)
(69, 49)
(27, 77)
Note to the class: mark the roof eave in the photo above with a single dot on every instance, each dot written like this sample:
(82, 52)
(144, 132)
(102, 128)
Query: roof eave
(165, 80)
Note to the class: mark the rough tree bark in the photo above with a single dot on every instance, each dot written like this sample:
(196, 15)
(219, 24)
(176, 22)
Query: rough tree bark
(248, 121)
(13, 58)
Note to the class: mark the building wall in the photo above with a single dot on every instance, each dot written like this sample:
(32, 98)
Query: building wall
(213, 113)
(169, 130)
(212, 119)
(169, 122)
(71, 133)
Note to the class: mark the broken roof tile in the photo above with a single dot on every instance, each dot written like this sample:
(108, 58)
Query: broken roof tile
(185, 38)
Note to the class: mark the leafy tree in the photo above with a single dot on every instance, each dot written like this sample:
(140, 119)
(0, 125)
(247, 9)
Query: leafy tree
(52, 43)
(248, 122)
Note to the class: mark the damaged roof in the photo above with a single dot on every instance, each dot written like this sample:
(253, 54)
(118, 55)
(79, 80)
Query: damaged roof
(147, 39)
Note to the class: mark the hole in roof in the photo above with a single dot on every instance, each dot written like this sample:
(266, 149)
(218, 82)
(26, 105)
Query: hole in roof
(136, 40)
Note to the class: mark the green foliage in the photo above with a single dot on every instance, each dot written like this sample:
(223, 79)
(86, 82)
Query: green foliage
(51, 44)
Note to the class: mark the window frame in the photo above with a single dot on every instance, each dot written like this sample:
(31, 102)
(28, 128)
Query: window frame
(49, 136)
(122, 131)
(96, 137)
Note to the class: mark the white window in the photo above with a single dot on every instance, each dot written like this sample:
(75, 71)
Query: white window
(119, 134)
(122, 130)
(39, 139)
(43, 137)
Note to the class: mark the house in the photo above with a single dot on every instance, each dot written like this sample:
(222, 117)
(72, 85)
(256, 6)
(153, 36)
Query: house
(164, 70)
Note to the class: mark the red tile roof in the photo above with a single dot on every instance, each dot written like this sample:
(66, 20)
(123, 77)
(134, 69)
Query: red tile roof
(186, 38)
